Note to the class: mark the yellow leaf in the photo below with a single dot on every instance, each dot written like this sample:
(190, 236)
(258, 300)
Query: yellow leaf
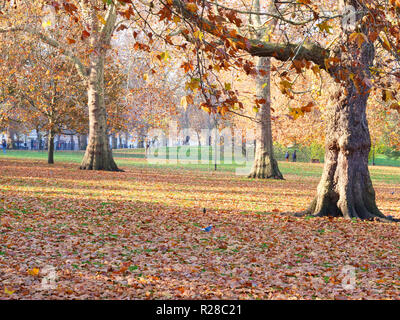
(206, 109)
(296, 112)
(101, 19)
(217, 68)
(10, 292)
(145, 77)
(165, 56)
(199, 35)
(184, 103)
(386, 43)
(46, 24)
(33, 272)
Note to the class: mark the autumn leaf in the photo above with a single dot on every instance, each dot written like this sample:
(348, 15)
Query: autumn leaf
(192, 7)
(8, 291)
(85, 34)
(308, 107)
(198, 35)
(101, 19)
(306, 2)
(324, 26)
(187, 66)
(358, 38)
(395, 106)
(385, 42)
(184, 103)
(46, 24)
(296, 112)
(33, 272)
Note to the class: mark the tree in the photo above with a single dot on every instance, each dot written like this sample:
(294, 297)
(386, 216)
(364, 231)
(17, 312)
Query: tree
(345, 188)
(265, 164)
(215, 31)
(100, 19)
(45, 92)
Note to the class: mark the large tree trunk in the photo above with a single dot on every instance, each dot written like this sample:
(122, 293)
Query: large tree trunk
(345, 188)
(265, 166)
(50, 147)
(98, 155)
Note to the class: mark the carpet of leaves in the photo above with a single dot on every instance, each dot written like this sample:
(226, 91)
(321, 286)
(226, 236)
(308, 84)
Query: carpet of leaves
(137, 235)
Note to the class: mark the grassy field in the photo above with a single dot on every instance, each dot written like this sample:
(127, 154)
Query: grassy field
(137, 234)
(136, 158)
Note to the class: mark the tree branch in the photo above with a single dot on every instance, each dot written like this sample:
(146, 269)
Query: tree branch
(82, 70)
(280, 51)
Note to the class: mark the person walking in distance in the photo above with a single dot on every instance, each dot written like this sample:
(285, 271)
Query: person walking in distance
(294, 157)
(4, 145)
(287, 155)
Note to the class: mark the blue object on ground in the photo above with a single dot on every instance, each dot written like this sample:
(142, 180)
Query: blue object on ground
(207, 229)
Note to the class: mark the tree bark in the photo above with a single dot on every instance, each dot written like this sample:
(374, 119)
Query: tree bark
(345, 188)
(39, 139)
(265, 165)
(120, 141)
(10, 138)
(98, 155)
(114, 141)
(50, 147)
(82, 141)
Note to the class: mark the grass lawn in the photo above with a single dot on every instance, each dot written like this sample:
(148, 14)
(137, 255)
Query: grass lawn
(137, 234)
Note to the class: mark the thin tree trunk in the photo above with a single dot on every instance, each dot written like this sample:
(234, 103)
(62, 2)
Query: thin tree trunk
(39, 139)
(120, 141)
(82, 141)
(126, 140)
(50, 147)
(114, 141)
(98, 155)
(265, 165)
(72, 142)
(10, 138)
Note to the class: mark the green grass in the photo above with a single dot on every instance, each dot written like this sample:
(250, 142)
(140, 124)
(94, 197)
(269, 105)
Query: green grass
(382, 160)
(136, 158)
